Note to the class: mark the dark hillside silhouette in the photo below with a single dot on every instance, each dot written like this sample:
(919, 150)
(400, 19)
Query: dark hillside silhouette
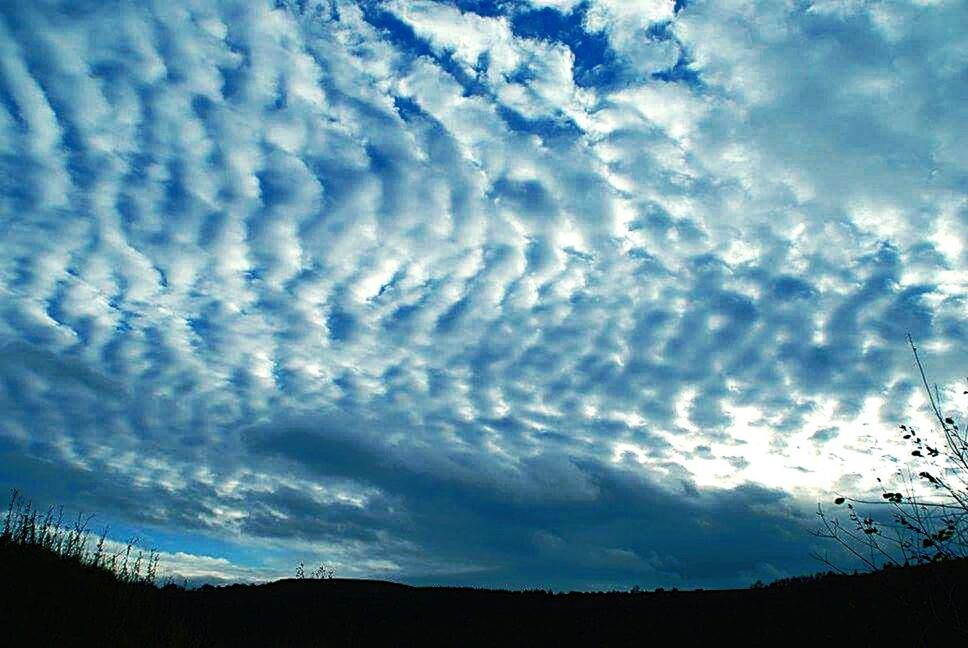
(47, 599)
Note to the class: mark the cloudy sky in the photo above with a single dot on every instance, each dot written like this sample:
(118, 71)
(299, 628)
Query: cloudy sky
(551, 293)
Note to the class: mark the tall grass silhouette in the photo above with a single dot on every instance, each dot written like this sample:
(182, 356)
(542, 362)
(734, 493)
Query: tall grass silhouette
(62, 585)
(27, 527)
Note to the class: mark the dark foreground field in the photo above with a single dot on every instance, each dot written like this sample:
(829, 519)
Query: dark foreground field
(47, 600)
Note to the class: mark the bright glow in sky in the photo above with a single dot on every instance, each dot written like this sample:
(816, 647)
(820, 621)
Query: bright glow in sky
(476, 291)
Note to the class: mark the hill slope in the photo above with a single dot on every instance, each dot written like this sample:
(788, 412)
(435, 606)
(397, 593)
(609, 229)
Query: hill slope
(48, 600)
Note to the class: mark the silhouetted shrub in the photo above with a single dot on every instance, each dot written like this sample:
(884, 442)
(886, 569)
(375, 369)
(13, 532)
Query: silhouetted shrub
(920, 528)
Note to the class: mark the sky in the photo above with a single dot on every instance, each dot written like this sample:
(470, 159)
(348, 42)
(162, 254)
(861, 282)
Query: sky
(512, 293)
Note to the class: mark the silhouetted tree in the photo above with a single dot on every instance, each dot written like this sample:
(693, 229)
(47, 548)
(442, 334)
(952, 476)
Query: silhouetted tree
(321, 572)
(928, 518)
(324, 571)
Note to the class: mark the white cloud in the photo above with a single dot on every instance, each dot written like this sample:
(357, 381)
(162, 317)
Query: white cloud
(487, 46)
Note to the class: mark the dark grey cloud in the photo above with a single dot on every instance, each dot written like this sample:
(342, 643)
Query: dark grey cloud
(552, 516)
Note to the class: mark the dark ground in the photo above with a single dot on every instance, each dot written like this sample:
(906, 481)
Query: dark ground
(47, 600)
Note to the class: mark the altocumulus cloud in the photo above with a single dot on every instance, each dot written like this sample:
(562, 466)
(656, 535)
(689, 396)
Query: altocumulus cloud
(555, 293)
